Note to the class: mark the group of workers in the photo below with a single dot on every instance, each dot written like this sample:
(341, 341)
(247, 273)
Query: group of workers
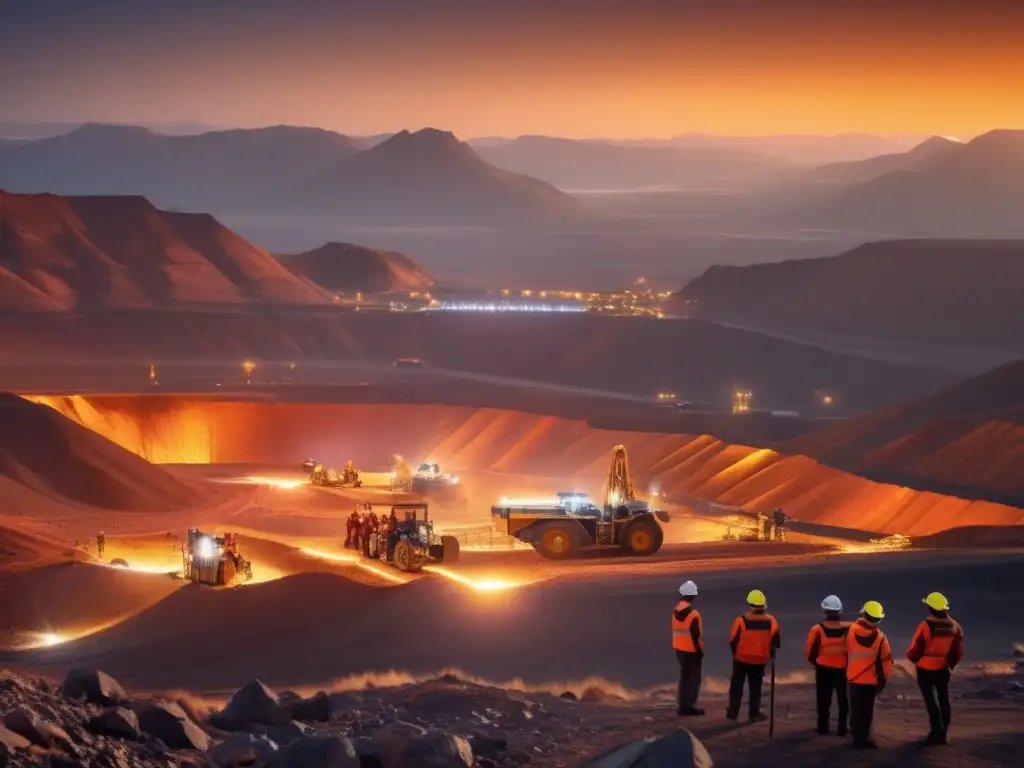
(361, 528)
(852, 662)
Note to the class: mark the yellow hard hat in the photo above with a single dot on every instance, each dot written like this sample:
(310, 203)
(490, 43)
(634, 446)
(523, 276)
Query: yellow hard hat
(873, 610)
(937, 601)
(757, 599)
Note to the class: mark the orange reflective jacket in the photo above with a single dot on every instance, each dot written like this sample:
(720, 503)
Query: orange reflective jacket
(752, 637)
(937, 644)
(683, 631)
(870, 658)
(826, 644)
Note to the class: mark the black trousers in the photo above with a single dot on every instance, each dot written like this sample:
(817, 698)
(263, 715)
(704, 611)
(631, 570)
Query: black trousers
(745, 673)
(828, 681)
(690, 666)
(862, 711)
(934, 685)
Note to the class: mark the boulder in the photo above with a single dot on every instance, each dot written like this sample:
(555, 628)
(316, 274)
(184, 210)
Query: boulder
(25, 722)
(93, 686)
(10, 740)
(241, 749)
(283, 735)
(677, 750)
(400, 744)
(317, 752)
(118, 722)
(169, 723)
(315, 709)
(252, 703)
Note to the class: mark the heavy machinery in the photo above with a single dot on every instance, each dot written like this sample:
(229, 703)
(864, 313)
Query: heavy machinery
(430, 481)
(213, 560)
(406, 539)
(561, 528)
(332, 478)
(399, 476)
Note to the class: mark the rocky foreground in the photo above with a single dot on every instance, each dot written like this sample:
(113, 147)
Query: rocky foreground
(447, 722)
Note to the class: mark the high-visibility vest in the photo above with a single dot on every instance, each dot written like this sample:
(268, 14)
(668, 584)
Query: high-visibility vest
(755, 631)
(682, 639)
(867, 648)
(939, 635)
(829, 637)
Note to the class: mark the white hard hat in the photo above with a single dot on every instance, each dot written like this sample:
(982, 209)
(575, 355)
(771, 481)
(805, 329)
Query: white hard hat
(832, 603)
(688, 589)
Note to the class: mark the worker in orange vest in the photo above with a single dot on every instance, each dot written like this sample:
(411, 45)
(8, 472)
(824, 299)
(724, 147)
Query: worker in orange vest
(868, 668)
(936, 649)
(754, 638)
(826, 650)
(686, 629)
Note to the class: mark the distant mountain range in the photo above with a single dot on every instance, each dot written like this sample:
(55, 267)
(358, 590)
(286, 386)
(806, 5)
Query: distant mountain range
(916, 158)
(937, 190)
(81, 253)
(430, 177)
(600, 165)
(348, 268)
(954, 292)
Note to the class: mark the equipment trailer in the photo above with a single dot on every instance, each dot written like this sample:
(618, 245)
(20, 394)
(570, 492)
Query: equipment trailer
(560, 529)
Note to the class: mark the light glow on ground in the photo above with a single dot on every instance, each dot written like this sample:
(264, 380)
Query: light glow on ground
(358, 562)
(480, 585)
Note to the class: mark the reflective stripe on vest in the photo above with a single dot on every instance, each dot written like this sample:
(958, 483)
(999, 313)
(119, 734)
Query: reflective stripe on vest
(832, 646)
(682, 637)
(755, 643)
(862, 664)
(940, 634)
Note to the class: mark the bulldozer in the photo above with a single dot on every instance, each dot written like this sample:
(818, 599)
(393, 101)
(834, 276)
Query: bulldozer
(213, 560)
(564, 527)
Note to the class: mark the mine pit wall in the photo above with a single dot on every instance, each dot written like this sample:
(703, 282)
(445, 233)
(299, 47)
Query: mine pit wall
(172, 429)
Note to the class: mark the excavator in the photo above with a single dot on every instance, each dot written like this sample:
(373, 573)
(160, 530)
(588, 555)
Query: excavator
(564, 527)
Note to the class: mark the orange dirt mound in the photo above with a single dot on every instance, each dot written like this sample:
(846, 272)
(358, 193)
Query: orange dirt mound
(569, 453)
(46, 459)
(968, 438)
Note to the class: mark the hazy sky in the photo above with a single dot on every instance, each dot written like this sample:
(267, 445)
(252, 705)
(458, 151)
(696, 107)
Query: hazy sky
(483, 67)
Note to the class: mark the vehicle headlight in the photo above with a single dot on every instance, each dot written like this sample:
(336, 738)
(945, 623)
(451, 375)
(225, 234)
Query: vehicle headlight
(206, 547)
(455, 481)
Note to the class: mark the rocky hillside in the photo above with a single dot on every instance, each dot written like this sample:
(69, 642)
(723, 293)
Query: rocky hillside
(82, 253)
(347, 268)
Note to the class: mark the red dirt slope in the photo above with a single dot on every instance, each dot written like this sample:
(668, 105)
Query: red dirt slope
(348, 268)
(568, 453)
(64, 253)
(969, 438)
(46, 459)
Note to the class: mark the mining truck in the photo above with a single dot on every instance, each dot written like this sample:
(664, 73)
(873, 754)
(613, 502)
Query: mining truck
(565, 526)
(213, 560)
(408, 541)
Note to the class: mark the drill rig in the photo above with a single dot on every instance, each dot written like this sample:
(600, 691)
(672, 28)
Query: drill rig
(562, 527)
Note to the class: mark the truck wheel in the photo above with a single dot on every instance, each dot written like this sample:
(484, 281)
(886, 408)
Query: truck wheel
(642, 537)
(555, 542)
(403, 557)
(451, 549)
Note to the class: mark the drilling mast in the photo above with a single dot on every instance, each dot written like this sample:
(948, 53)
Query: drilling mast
(618, 488)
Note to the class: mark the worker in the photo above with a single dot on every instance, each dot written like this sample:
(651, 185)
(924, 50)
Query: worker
(101, 544)
(686, 628)
(936, 649)
(868, 668)
(826, 650)
(369, 530)
(754, 639)
(352, 528)
(779, 518)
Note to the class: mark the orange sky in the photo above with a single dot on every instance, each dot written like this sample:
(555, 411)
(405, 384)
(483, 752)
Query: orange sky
(484, 67)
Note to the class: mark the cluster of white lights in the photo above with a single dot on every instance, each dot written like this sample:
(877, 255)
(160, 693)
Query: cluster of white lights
(501, 306)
